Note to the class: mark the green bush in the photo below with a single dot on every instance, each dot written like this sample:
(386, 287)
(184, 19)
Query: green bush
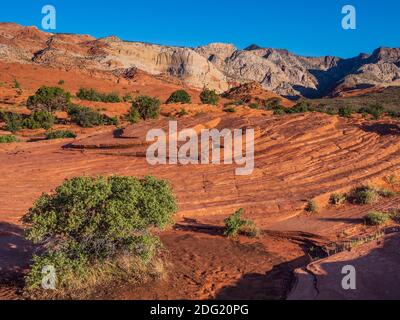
(61, 82)
(345, 112)
(254, 106)
(376, 218)
(8, 139)
(384, 193)
(127, 98)
(147, 107)
(13, 121)
(230, 109)
(209, 97)
(363, 195)
(87, 118)
(235, 225)
(93, 95)
(337, 199)
(375, 110)
(60, 134)
(16, 84)
(92, 224)
(180, 96)
(49, 99)
(133, 116)
(312, 206)
(182, 112)
(38, 120)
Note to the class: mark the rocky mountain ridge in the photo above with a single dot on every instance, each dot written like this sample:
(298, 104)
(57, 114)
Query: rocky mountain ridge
(218, 66)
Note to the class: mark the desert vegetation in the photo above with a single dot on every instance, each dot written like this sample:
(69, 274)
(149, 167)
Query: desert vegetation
(93, 95)
(8, 139)
(87, 118)
(208, 96)
(94, 230)
(376, 218)
(235, 225)
(311, 206)
(146, 107)
(179, 96)
(49, 99)
(60, 134)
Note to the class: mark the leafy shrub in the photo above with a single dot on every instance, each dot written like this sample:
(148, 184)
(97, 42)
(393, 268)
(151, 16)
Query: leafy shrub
(345, 112)
(337, 199)
(180, 96)
(376, 218)
(61, 82)
(49, 99)
(148, 107)
(278, 111)
(87, 118)
(234, 225)
(133, 115)
(182, 112)
(16, 84)
(39, 119)
(393, 114)
(375, 110)
(127, 98)
(209, 97)
(60, 134)
(384, 193)
(97, 227)
(230, 109)
(272, 103)
(311, 206)
(93, 95)
(8, 139)
(254, 106)
(363, 195)
(395, 215)
(13, 121)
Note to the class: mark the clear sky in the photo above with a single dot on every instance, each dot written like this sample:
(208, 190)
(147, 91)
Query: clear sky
(307, 27)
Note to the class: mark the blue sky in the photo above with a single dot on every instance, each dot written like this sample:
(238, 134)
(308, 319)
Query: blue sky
(307, 27)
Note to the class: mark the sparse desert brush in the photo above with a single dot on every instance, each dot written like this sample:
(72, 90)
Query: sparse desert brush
(369, 194)
(230, 109)
(254, 106)
(182, 112)
(337, 199)
(235, 225)
(8, 139)
(363, 195)
(376, 218)
(148, 107)
(13, 121)
(385, 193)
(179, 96)
(16, 84)
(87, 118)
(61, 82)
(93, 95)
(375, 110)
(278, 111)
(395, 215)
(392, 179)
(49, 99)
(96, 230)
(311, 206)
(345, 112)
(208, 96)
(133, 116)
(41, 119)
(60, 134)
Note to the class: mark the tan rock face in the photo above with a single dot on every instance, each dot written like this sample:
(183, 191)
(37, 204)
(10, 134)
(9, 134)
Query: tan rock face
(216, 65)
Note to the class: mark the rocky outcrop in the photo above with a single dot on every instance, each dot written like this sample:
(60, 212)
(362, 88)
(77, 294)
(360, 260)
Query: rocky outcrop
(217, 66)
